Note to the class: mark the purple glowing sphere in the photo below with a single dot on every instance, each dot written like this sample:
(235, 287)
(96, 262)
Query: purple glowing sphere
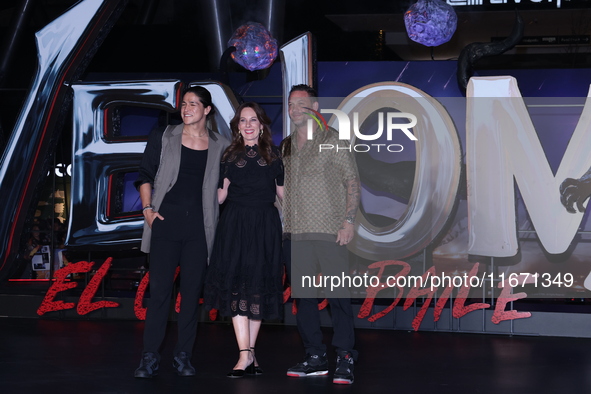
(430, 22)
(255, 48)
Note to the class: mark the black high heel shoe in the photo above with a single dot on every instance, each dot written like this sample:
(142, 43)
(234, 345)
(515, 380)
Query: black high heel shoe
(239, 373)
(254, 369)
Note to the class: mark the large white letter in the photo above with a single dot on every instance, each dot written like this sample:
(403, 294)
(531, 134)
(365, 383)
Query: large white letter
(437, 175)
(297, 67)
(502, 145)
(63, 49)
(95, 159)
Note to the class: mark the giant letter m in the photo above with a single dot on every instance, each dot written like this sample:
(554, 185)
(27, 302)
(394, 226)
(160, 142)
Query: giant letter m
(502, 146)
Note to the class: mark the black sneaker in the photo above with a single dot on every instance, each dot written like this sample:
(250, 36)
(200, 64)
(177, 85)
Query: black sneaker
(343, 373)
(182, 364)
(313, 365)
(148, 366)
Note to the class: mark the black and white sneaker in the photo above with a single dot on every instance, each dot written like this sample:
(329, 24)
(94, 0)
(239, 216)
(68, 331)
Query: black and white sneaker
(148, 366)
(313, 365)
(343, 373)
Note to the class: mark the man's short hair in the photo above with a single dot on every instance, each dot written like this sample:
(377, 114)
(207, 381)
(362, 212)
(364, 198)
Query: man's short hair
(305, 88)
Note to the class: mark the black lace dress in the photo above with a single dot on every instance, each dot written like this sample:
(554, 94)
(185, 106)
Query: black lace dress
(245, 271)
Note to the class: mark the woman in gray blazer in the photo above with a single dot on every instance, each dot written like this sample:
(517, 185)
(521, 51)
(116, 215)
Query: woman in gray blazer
(178, 188)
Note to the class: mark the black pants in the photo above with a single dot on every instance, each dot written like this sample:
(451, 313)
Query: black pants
(327, 256)
(178, 240)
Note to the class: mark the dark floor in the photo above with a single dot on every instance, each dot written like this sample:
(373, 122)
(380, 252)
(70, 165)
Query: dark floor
(51, 356)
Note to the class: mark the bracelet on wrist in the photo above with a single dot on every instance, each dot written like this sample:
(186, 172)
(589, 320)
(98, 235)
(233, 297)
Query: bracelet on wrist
(148, 207)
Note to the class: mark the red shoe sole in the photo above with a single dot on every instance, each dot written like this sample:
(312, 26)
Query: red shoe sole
(342, 382)
(294, 375)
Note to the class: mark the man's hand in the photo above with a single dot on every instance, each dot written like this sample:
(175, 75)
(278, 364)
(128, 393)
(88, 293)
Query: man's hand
(345, 234)
(150, 215)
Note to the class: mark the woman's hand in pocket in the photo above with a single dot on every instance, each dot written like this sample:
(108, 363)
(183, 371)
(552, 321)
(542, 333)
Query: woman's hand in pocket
(150, 215)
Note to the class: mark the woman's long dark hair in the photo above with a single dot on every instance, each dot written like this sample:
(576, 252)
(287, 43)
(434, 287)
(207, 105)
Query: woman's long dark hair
(237, 147)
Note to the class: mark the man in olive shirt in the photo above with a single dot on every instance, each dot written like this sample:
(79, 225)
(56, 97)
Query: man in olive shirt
(321, 199)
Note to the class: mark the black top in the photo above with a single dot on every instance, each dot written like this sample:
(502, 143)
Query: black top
(251, 178)
(187, 190)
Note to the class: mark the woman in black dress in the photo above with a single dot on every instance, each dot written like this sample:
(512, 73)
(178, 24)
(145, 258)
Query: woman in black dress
(244, 277)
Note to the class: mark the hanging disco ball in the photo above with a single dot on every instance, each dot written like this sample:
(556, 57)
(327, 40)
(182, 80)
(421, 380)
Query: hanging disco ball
(430, 22)
(255, 48)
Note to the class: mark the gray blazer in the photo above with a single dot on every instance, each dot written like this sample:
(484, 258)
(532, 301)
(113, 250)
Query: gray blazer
(168, 170)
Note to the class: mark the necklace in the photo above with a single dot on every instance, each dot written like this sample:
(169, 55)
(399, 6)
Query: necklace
(195, 136)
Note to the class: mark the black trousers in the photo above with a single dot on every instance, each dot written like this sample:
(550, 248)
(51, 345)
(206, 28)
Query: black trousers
(178, 240)
(327, 257)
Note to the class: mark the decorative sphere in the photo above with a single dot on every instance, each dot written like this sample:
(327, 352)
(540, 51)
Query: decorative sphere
(255, 48)
(430, 22)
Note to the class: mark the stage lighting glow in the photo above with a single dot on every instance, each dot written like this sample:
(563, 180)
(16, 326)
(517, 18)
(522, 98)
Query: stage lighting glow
(430, 22)
(256, 49)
